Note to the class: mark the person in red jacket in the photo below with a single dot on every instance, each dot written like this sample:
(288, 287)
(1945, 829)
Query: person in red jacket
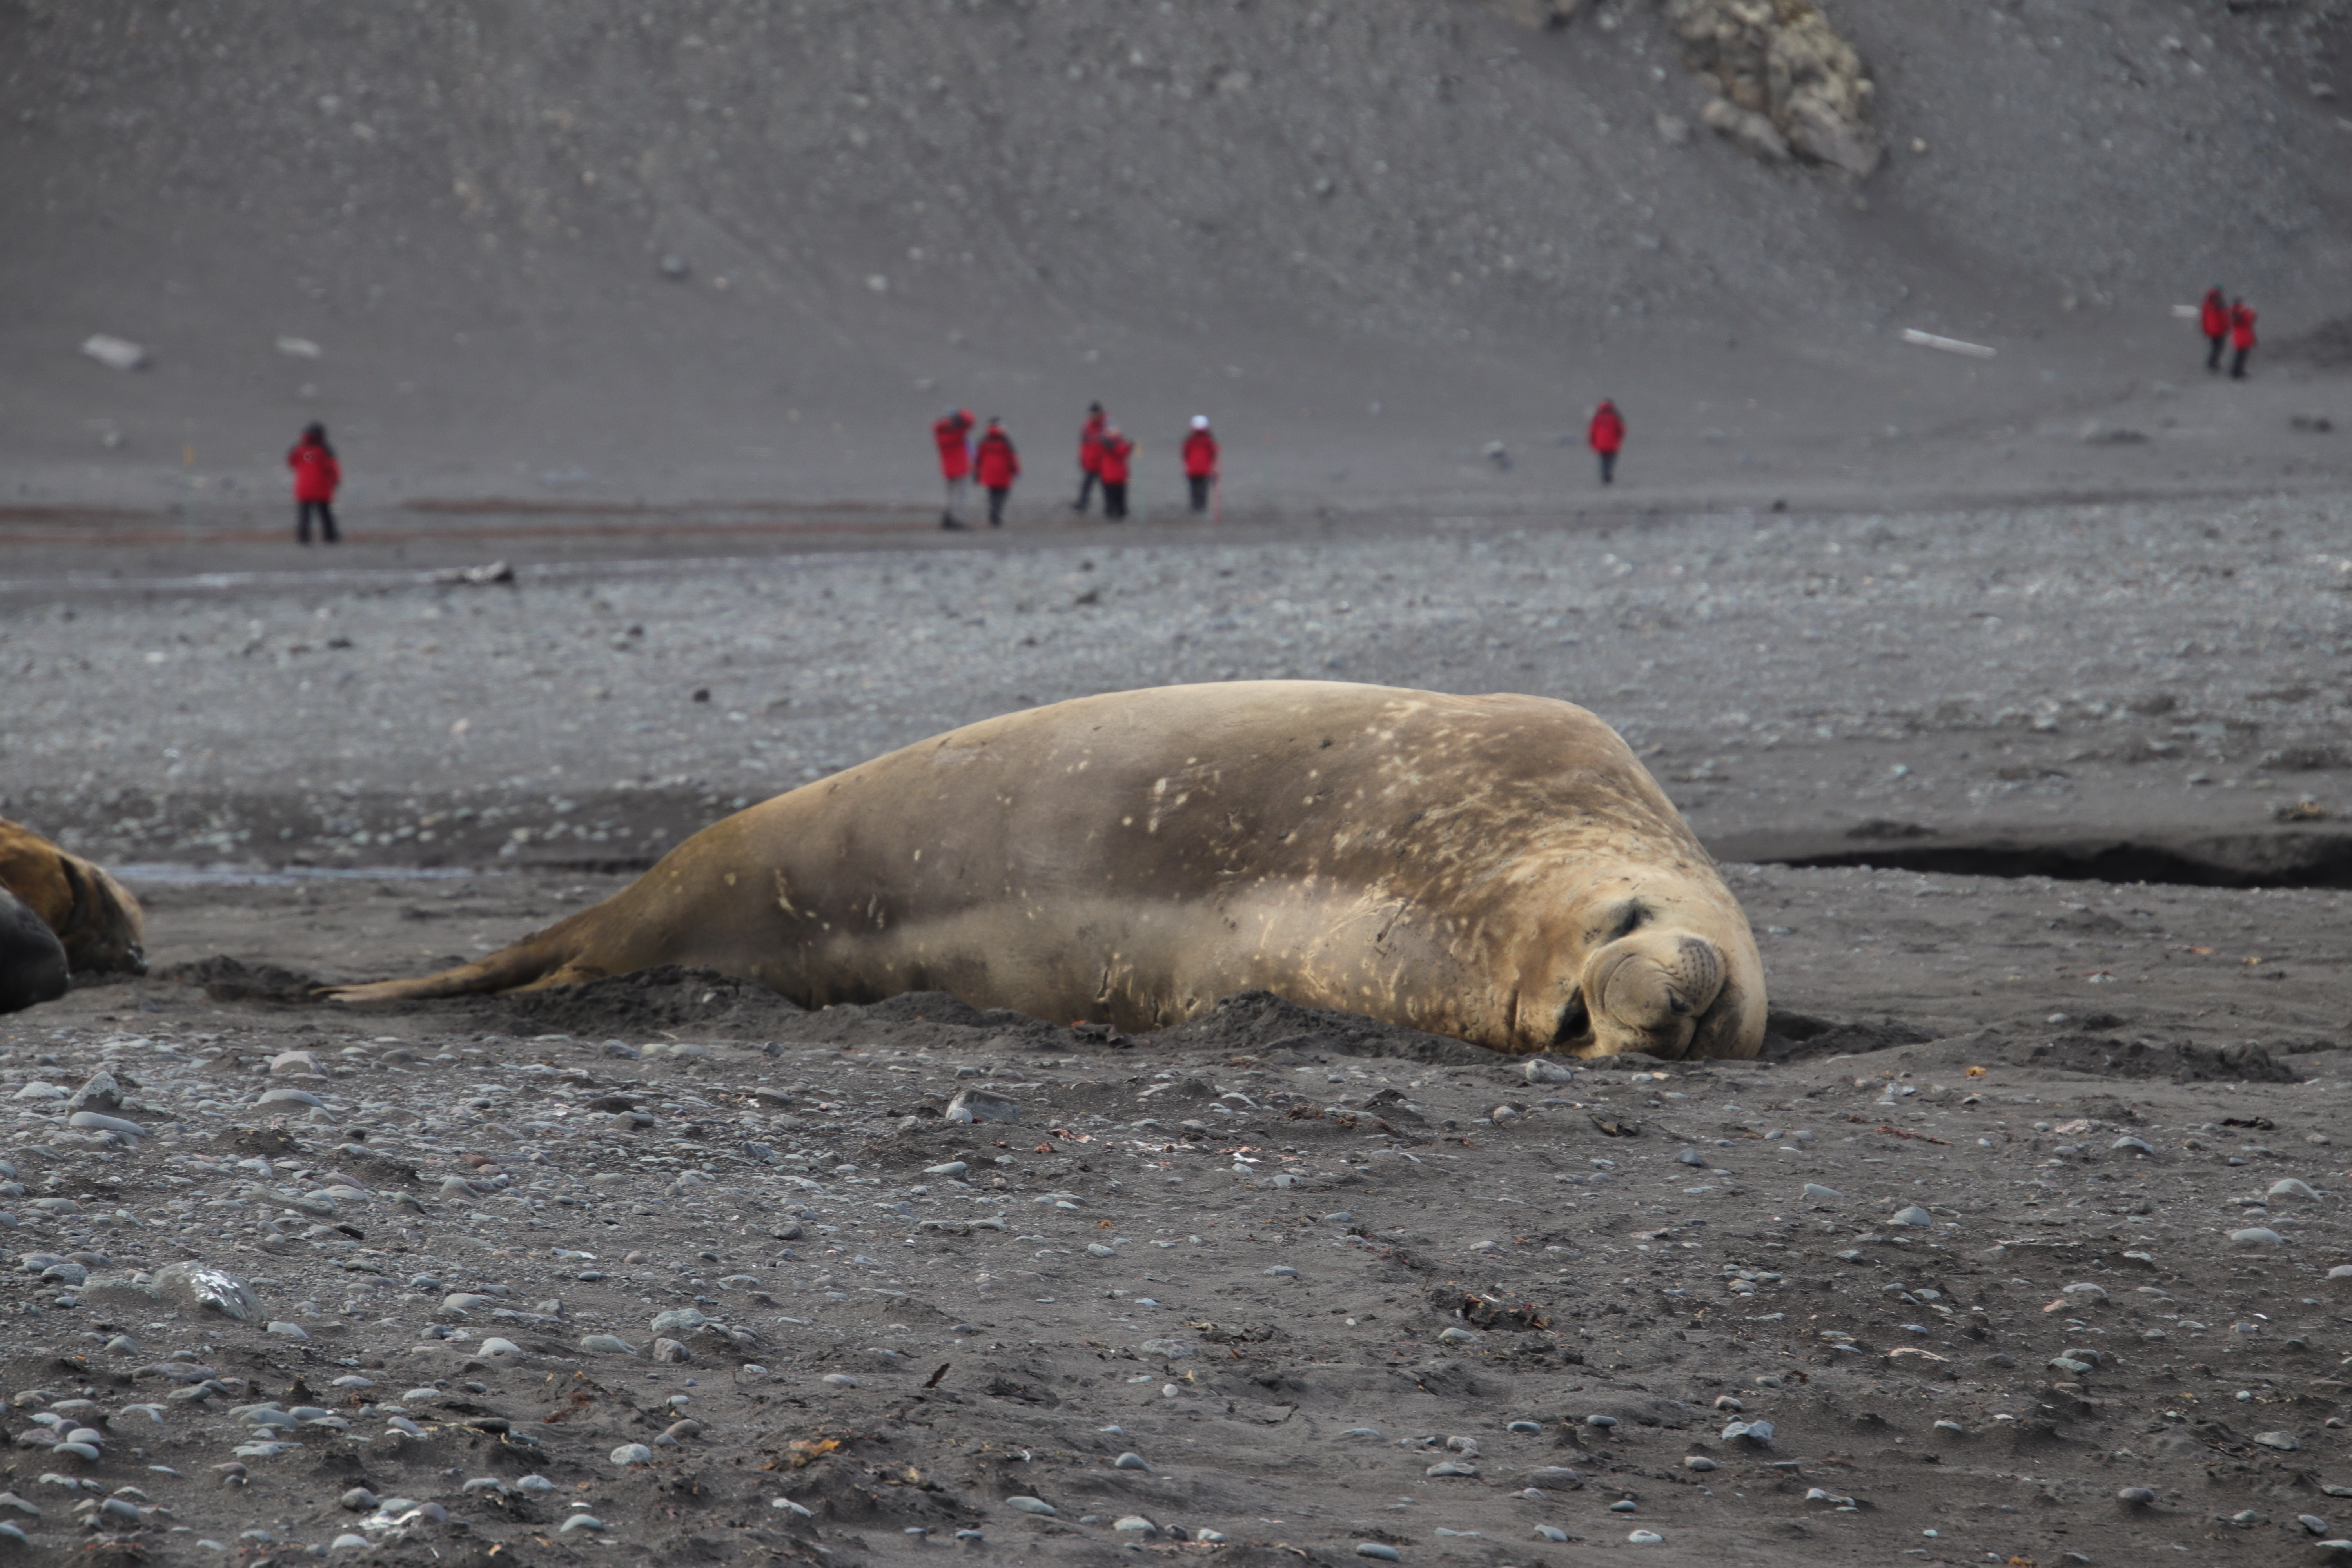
(1117, 455)
(1607, 438)
(952, 432)
(1199, 462)
(996, 465)
(2213, 320)
(316, 475)
(2242, 337)
(1090, 434)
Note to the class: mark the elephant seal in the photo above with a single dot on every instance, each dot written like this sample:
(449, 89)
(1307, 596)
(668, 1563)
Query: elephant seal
(92, 919)
(32, 959)
(1498, 869)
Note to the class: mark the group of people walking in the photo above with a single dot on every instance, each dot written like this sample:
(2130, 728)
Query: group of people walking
(1106, 459)
(2232, 324)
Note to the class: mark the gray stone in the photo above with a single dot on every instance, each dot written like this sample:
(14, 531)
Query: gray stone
(979, 1105)
(1816, 1193)
(206, 1288)
(1037, 1506)
(607, 1344)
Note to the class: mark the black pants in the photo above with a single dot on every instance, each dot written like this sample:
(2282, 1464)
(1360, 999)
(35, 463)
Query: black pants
(2213, 359)
(2237, 364)
(1087, 477)
(1114, 499)
(1608, 467)
(303, 510)
(997, 494)
(1199, 483)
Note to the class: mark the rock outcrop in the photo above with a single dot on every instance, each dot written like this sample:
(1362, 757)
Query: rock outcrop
(1787, 85)
(1540, 14)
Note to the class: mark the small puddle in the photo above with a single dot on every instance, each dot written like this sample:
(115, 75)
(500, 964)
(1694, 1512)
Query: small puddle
(164, 874)
(2295, 859)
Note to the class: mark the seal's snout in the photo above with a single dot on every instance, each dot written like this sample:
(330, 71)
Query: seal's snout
(1649, 989)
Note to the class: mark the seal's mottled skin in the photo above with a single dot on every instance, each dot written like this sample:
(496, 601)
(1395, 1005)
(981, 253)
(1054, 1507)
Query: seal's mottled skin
(91, 920)
(1498, 868)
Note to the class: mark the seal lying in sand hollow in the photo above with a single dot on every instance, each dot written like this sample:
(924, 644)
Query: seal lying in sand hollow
(59, 914)
(1498, 868)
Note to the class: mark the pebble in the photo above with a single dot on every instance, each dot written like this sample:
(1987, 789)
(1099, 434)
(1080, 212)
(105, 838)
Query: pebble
(2291, 1188)
(1690, 1157)
(1912, 1215)
(2256, 1235)
(2134, 1145)
(286, 1331)
(607, 1344)
(91, 1122)
(1378, 1552)
(1549, 1532)
(838, 1380)
(1452, 1467)
(1531, 1427)
(1625, 1505)
(1544, 1070)
(2312, 1522)
(2138, 1496)
(1131, 1462)
(982, 1105)
(629, 1454)
(2285, 1442)
(1645, 1538)
(1698, 1462)
(1135, 1524)
(1819, 1193)
(1037, 1506)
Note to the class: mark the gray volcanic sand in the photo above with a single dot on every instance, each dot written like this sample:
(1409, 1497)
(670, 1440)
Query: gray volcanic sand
(355, 758)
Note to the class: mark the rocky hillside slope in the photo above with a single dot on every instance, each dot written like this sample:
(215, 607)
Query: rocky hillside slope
(720, 242)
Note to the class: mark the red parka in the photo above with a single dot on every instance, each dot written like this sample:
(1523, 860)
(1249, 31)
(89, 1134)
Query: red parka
(1200, 455)
(316, 473)
(1607, 432)
(1116, 451)
(955, 453)
(997, 465)
(2241, 326)
(1091, 437)
(2213, 316)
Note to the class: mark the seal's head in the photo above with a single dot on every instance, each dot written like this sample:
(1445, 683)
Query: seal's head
(1665, 973)
(93, 915)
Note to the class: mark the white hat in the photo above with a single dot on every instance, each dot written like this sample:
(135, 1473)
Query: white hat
(1200, 422)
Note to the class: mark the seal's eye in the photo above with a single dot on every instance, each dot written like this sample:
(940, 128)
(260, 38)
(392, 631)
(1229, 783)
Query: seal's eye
(1575, 1021)
(1631, 917)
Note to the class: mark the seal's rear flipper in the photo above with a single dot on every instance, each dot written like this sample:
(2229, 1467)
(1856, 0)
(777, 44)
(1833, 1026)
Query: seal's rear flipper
(527, 965)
